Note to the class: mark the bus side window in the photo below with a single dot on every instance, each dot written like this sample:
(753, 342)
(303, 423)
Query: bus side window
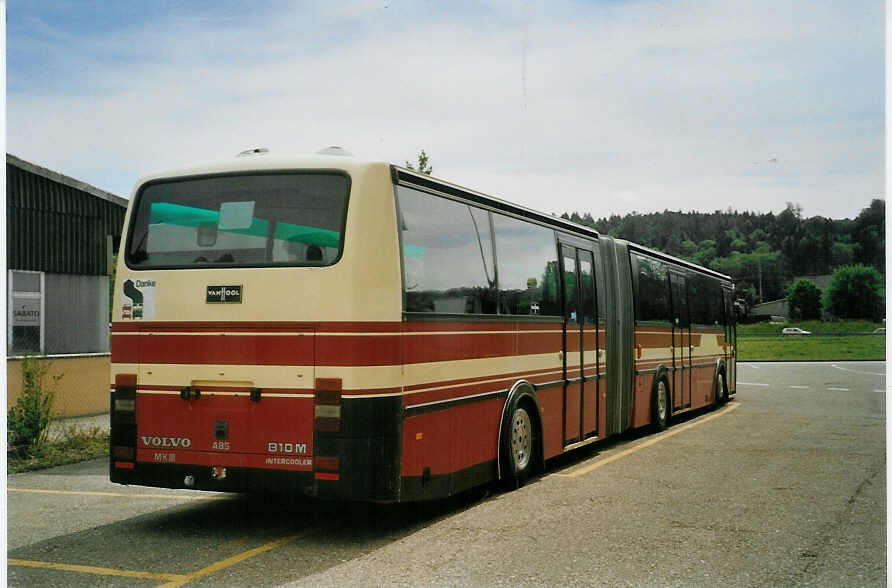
(601, 297)
(586, 276)
(570, 282)
(528, 268)
(448, 266)
(653, 290)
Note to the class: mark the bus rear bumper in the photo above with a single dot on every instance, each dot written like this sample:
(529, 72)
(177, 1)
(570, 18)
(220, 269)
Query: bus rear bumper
(196, 477)
(367, 471)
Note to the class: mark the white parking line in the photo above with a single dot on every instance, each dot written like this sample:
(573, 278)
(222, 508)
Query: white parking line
(800, 387)
(755, 367)
(840, 389)
(856, 371)
(752, 384)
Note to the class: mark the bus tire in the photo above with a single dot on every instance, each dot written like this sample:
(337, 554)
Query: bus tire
(519, 439)
(721, 391)
(660, 403)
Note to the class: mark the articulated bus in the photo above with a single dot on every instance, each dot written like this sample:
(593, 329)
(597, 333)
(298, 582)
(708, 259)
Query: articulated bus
(359, 331)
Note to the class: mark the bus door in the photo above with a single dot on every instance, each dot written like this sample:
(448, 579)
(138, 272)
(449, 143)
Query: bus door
(730, 346)
(580, 342)
(589, 343)
(681, 343)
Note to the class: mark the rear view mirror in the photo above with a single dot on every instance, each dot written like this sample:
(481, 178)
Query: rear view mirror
(207, 235)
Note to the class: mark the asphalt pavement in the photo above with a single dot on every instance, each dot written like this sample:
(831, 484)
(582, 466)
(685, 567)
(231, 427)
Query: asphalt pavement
(786, 485)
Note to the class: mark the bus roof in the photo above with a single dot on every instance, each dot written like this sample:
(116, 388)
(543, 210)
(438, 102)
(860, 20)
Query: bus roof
(428, 183)
(686, 264)
(412, 178)
(261, 160)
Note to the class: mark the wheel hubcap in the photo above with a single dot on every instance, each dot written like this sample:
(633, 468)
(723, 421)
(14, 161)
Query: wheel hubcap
(661, 400)
(521, 439)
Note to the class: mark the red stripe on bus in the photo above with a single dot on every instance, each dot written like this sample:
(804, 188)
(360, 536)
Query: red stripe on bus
(457, 392)
(461, 346)
(217, 350)
(334, 350)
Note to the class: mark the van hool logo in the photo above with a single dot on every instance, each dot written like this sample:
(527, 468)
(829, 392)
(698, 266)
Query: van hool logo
(224, 294)
(183, 442)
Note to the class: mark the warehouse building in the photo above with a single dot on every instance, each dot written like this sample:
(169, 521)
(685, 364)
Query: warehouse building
(61, 237)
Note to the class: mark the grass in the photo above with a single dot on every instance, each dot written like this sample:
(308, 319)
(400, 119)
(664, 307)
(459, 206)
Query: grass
(74, 445)
(815, 327)
(828, 342)
(811, 348)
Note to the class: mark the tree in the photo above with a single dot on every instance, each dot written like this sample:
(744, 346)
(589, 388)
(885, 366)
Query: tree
(424, 164)
(804, 300)
(855, 291)
(869, 233)
(842, 253)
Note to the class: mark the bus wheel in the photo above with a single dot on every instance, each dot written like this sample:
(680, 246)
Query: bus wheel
(518, 447)
(720, 395)
(661, 404)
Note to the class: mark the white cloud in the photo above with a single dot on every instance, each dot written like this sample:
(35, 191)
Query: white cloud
(559, 106)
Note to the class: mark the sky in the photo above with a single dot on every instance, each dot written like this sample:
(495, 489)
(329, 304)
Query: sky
(602, 107)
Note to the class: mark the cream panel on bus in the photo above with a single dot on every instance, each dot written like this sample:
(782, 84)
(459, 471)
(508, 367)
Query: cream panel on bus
(710, 344)
(263, 376)
(364, 285)
(443, 371)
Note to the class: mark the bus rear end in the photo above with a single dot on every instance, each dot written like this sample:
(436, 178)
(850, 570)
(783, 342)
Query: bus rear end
(236, 287)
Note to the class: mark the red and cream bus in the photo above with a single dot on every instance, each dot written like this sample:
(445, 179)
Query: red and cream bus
(356, 330)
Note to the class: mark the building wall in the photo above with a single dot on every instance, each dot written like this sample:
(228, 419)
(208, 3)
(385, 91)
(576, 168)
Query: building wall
(773, 308)
(82, 390)
(62, 233)
(76, 314)
(56, 224)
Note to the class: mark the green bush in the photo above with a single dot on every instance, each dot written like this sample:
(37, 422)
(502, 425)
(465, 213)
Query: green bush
(804, 300)
(28, 421)
(855, 291)
(75, 445)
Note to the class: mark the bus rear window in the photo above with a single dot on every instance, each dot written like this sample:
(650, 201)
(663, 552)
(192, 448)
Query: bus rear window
(246, 220)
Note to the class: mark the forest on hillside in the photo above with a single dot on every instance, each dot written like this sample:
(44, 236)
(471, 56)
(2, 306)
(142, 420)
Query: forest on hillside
(763, 252)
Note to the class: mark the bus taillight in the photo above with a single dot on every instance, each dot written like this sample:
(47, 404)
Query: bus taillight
(328, 468)
(119, 452)
(327, 405)
(123, 422)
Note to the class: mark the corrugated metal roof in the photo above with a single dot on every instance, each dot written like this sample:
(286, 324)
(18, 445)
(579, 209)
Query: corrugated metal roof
(58, 224)
(65, 180)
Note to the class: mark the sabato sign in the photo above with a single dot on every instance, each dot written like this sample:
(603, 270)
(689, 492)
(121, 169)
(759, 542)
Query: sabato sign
(25, 312)
(183, 442)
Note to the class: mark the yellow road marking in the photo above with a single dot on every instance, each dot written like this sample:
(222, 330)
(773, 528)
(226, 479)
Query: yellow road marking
(231, 561)
(113, 494)
(656, 439)
(173, 580)
(48, 565)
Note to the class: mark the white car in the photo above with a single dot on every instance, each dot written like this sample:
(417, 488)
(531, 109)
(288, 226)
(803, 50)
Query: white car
(795, 331)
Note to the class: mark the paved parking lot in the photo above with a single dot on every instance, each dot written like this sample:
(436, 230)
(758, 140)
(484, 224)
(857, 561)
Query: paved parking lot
(784, 486)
